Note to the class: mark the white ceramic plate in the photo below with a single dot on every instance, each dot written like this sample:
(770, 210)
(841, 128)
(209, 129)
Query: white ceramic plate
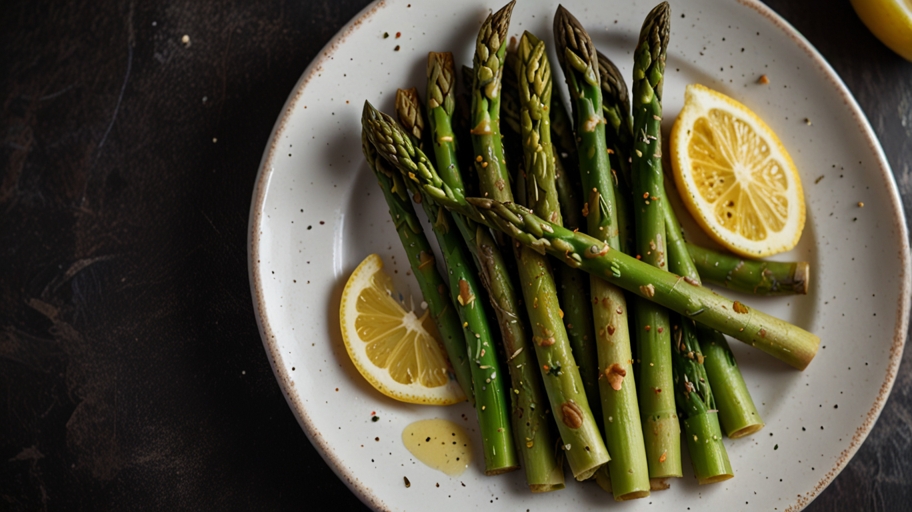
(317, 212)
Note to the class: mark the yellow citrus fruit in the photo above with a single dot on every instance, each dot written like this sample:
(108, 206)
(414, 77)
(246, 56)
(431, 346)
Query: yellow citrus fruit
(395, 350)
(734, 175)
(890, 21)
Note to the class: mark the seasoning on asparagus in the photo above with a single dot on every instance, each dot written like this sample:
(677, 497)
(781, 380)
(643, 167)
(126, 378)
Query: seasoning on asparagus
(695, 389)
(491, 403)
(573, 283)
(583, 446)
(778, 338)
(652, 322)
(421, 259)
(531, 425)
(619, 139)
(737, 413)
(694, 397)
(758, 277)
(620, 414)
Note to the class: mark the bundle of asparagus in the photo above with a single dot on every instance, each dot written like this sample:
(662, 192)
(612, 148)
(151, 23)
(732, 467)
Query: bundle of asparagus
(609, 158)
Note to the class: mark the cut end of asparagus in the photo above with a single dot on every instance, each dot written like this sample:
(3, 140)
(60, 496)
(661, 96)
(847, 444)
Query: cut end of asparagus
(500, 470)
(746, 431)
(802, 277)
(587, 473)
(715, 479)
(658, 484)
(633, 495)
(540, 488)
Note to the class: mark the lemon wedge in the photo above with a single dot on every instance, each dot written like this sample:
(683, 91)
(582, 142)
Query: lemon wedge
(734, 175)
(890, 21)
(399, 353)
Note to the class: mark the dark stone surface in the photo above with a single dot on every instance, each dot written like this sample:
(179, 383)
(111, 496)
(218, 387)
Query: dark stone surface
(132, 375)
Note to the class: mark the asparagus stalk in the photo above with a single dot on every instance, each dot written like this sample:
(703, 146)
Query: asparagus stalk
(573, 286)
(653, 329)
(751, 276)
(780, 339)
(737, 412)
(583, 446)
(488, 67)
(490, 397)
(619, 139)
(621, 418)
(695, 390)
(531, 425)
(696, 406)
(421, 259)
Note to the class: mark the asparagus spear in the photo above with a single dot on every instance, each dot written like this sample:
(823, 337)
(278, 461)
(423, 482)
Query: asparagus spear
(737, 412)
(619, 139)
(780, 339)
(490, 397)
(421, 259)
(573, 285)
(531, 425)
(695, 390)
(623, 429)
(653, 329)
(696, 406)
(582, 444)
(488, 66)
(751, 276)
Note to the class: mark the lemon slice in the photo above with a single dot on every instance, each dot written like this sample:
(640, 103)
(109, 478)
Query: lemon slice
(734, 176)
(890, 21)
(396, 351)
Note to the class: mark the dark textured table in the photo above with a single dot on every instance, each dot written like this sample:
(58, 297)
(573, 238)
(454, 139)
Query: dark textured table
(132, 375)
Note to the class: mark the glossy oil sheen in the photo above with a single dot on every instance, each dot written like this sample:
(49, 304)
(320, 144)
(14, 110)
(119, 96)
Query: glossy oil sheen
(440, 444)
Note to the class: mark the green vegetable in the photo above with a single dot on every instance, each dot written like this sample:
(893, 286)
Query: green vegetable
(621, 418)
(531, 425)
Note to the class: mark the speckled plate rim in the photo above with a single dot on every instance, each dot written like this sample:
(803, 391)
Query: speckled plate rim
(365, 493)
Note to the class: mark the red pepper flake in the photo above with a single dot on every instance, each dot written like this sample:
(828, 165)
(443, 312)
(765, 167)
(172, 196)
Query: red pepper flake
(398, 35)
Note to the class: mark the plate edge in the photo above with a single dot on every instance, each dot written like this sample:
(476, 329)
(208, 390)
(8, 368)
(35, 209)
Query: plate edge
(264, 174)
(900, 330)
